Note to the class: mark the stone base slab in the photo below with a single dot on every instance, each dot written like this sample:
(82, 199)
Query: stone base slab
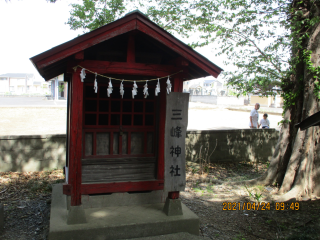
(118, 222)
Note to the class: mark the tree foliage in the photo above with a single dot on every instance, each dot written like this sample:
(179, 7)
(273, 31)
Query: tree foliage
(253, 35)
(93, 14)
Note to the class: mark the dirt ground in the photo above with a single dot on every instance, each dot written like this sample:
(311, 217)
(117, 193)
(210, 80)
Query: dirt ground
(26, 198)
(41, 121)
(32, 121)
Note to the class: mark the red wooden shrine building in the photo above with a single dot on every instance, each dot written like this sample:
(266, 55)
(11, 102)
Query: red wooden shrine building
(116, 144)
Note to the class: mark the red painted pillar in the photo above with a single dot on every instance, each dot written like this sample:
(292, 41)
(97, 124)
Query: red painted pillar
(173, 195)
(75, 153)
(162, 122)
(177, 84)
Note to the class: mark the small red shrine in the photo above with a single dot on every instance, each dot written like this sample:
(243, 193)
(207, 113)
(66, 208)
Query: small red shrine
(115, 142)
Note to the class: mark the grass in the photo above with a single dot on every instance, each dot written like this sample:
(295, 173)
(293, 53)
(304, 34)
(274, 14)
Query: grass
(257, 196)
(269, 221)
(209, 189)
(260, 187)
(239, 237)
(198, 190)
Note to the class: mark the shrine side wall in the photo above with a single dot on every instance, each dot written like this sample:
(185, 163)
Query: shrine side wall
(32, 152)
(250, 145)
(44, 152)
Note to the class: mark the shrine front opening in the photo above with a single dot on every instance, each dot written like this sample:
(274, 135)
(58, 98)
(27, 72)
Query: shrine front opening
(120, 134)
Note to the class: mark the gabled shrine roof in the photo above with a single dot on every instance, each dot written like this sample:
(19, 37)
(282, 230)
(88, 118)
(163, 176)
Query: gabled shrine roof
(53, 62)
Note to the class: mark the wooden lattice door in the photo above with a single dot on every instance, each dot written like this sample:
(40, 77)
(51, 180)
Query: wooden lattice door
(119, 135)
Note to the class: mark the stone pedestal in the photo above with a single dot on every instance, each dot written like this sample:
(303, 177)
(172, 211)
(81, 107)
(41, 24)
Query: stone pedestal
(76, 215)
(173, 207)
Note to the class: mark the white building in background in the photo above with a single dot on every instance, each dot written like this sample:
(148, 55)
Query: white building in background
(205, 87)
(21, 83)
(58, 88)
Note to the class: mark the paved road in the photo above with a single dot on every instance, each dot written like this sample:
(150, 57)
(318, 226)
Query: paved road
(30, 116)
(30, 102)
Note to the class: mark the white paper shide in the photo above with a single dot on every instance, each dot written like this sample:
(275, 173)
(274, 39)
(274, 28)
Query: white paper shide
(157, 90)
(109, 89)
(134, 89)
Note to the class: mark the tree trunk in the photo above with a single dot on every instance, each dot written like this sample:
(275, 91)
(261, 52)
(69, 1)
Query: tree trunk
(295, 165)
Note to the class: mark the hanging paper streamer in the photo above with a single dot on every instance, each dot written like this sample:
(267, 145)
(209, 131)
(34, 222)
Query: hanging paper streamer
(157, 90)
(95, 85)
(168, 85)
(134, 89)
(121, 89)
(83, 74)
(145, 90)
(109, 90)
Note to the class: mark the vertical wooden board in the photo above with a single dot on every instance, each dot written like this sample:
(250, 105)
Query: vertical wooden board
(175, 134)
(137, 142)
(103, 143)
(76, 138)
(150, 142)
(115, 143)
(125, 143)
(88, 144)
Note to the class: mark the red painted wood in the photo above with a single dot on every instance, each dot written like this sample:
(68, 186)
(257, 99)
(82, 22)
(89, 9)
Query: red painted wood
(128, 23)
(95, 39)
(173, 195)
(66, 189)
(177, 84)
(76, 139)
(182, 49)
(162, 121)
(79, 55)
(104, 67)
(116, 187)
(179, 61)
(131, 56)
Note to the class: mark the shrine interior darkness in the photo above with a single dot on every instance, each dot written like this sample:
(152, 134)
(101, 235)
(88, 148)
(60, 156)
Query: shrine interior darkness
(147, 50)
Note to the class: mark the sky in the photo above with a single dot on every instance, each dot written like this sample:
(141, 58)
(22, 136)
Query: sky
(30, 27)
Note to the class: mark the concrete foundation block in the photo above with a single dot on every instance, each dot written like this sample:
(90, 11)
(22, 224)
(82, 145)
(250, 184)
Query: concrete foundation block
(121, 199)
(172, 207)
(1, 217)
(76, 215)
(118, 222)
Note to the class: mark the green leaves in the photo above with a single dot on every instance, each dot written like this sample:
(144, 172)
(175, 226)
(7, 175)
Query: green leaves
(92, 14)
(255, 37)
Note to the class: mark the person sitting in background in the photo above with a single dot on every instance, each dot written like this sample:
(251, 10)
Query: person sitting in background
(254, 117)
(265, 122)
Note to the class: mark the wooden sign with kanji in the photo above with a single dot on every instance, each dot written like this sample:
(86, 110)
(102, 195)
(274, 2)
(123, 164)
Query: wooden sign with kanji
(175, 135)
